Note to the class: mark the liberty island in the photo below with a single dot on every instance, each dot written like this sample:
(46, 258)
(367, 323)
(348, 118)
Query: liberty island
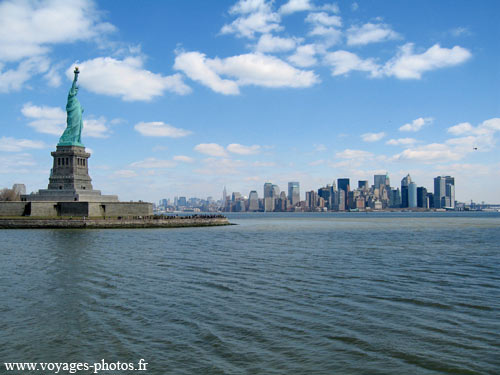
(70, 192)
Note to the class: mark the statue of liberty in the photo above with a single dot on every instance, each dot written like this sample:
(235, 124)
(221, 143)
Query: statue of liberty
(74, 124)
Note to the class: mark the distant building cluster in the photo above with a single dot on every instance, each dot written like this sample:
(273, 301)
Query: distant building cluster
(341, 195)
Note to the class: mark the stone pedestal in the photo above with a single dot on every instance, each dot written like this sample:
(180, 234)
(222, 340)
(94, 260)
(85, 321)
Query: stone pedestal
(69, 179)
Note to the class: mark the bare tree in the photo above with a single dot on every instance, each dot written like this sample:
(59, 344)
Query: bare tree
(9, 195)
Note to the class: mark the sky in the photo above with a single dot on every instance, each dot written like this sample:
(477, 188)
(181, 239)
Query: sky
(182, 98)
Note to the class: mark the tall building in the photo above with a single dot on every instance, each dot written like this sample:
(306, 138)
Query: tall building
(294, 193)
(450, 196)
(422, 200)
(224, 196)
(412, 195)
(405, 183)
(268, 190)
(343, 184)
(275, 191)
(439, 191)
(326, 194)
(381, 179)
(311, 199)
(268, 197)
(395, 198)
(253, 201)
(444, 192)
(282, 202)
(363, 184)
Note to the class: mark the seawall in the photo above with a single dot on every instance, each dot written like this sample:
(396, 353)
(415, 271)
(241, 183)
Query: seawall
(80, 223)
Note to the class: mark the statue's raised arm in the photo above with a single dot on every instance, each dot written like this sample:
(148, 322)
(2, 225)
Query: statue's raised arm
(74, 123)
(74, 87)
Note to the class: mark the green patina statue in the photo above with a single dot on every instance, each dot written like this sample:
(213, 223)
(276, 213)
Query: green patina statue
(74, 124)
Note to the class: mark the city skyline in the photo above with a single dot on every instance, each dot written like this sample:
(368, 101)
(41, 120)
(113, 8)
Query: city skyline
(186, 98)
(379, 196)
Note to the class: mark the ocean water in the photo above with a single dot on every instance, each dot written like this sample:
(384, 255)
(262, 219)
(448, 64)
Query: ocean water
(388, 293)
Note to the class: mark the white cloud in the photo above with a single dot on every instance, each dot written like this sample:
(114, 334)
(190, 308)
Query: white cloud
(236, 148)
(13, 79)
(212, 149)
(184, 159)
(249, 6)
(401, 141)
(405, 65)
(434, 152)
(124, 173)
(461, 128)
(270, 43)
(221, 167)
(409, 65)
(261, 70)
(53, 77)
(372, 137)
(416, 124)
(454, 149)
(29, 28)
(458, 31)
(354, 6)
(370, 33)
(48, 120)
(9, 144)
(322, 18)
(126, 79)
(354, 154)
(151, 163)
(293, 6)
(324, 26)
(256, 16)
(248, 69)
(196, 66)
(263, 164)
(96, 128)
(343, 62)
(491, 124)
(480, 137)
(330, 35)
(16, 163)
(160, 129)
(304, 56)
(334, 8)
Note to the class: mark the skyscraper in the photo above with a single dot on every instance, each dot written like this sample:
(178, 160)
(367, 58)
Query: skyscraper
(276, 191)
(444, 192)
(363, 184)
(422, 197)
(412, 195)
(268, 197)
(294, 192)
(268, 190)
(253, 201)
(381, 179)
(343, 184)
(405, 183)
(439, 191)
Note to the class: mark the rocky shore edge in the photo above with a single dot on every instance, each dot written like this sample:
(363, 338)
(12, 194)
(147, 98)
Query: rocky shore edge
(115, 222)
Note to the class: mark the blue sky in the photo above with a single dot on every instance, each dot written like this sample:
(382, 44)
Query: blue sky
(186, 97)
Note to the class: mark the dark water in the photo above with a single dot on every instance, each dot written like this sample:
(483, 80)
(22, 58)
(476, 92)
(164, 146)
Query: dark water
(277, 294)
